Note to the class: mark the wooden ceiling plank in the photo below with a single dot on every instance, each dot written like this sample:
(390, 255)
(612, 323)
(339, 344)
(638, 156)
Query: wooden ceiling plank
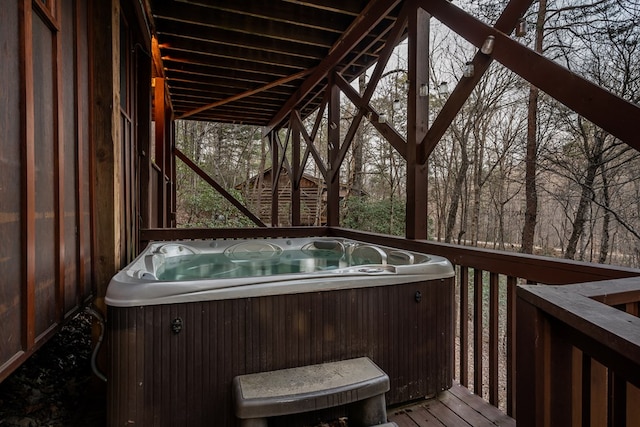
(341, 6)
(175, 56)
(240, 23)
(283, 13)
(234, 52)
(248, 93)
(222, 73)
(219, 36)
(233, 85)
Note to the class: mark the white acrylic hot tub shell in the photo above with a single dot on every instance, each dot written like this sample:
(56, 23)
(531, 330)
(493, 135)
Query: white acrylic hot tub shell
(136, 285)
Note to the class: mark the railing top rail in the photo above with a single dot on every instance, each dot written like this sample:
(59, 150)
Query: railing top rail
(533, 268)
(606, 333)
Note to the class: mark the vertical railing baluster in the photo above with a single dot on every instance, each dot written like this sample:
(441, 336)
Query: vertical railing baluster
(477, 332)
(586, 390)
(493, 338)
(511, 345)
(464, 326)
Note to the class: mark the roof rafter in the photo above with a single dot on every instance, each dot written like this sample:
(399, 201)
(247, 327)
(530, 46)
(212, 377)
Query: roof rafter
(374, 12)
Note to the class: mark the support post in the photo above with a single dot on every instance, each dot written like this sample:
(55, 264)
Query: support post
(275, 163)
(295, 172)
(160, 154)
(417, 123)
(333, 131)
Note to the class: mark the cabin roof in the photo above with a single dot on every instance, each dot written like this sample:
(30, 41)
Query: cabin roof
(248, 58)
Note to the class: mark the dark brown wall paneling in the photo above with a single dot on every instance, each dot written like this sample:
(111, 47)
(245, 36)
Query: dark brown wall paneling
(45, 129)
(84, 150)
(45, 254)
(10, 185)
(69, 146)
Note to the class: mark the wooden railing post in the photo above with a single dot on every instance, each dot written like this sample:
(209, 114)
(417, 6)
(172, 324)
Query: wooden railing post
(530, 369)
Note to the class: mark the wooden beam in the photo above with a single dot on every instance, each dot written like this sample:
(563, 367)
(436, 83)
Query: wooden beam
(417, 123)
(387, 131)
(309, 141)
(505, 23)
(394, 38)
(296, 172)
(248, 93)
(212, 182)
(283, 162)
(610, 112)
(333, 137)
(275, 167)
(374, 12)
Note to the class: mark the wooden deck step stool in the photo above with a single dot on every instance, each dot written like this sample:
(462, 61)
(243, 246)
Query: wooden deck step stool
(357, 383)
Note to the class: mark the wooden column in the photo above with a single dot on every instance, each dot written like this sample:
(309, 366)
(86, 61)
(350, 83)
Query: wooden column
(105, 87)
(295, 173)
(275, 163)
(333, 186)
(161, 155)
(417, 123)
(143, 115)
(532, 367)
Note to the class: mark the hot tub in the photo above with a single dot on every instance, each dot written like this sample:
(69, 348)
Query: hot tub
(184, 318)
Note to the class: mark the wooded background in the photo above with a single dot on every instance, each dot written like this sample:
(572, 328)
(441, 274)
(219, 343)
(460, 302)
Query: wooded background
(516, 170)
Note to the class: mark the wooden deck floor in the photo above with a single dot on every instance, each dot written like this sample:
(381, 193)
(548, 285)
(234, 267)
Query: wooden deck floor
(454, 407)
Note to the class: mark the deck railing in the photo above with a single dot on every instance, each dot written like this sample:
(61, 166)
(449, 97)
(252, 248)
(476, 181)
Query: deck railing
(579, 354)
(487, 282)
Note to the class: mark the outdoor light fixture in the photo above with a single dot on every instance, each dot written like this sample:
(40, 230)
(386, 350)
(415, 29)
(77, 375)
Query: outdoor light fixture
(382, 118)
(521, 28)
(424, 89)
(396, 105)
(468, 69)
(487, 46)
(443, 88)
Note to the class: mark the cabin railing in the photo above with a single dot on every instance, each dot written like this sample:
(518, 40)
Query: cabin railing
(579, 354)
(486, 293)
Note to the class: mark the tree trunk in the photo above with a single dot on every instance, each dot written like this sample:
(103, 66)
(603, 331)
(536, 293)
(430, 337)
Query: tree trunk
(456, 194)
(606, 220)
(531, 192)
(594, 157)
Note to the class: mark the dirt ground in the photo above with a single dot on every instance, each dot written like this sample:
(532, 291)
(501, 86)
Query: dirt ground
(55, 387)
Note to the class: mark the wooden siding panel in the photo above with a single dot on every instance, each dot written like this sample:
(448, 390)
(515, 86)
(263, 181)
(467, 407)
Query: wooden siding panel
(45, 224)
(10, 179)
(84, 150)
(44, 128)
(69, 147)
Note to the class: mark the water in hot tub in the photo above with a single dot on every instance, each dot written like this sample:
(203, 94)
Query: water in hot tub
(221, 266)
